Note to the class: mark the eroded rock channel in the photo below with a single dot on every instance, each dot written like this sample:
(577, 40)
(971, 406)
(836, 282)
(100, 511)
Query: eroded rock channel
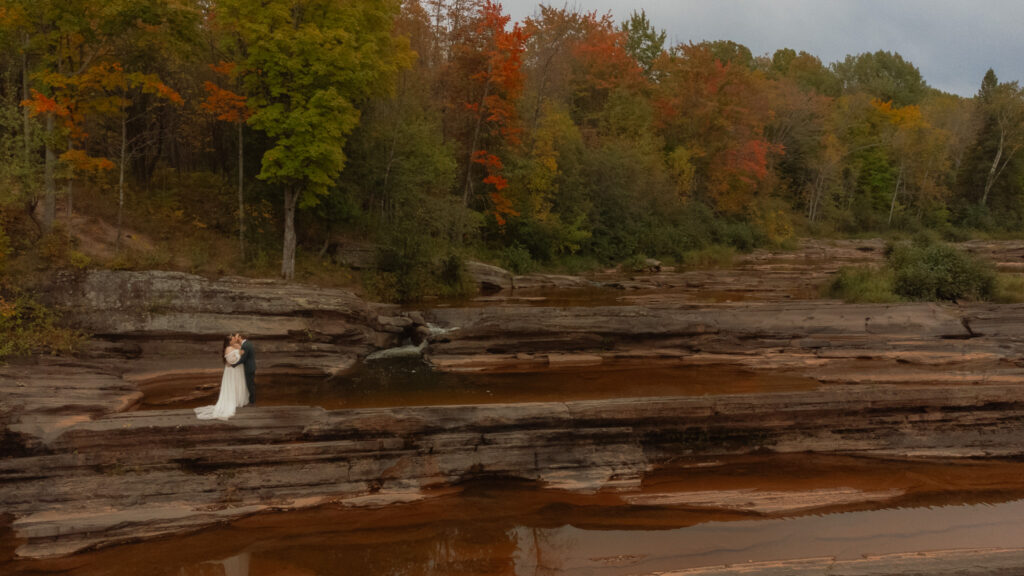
(103, 449)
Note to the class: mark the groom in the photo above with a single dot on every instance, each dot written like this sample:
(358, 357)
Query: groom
(248, 363)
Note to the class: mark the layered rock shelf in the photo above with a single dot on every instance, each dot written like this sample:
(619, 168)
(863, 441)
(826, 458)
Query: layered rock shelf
(81, 468)
(136, 475)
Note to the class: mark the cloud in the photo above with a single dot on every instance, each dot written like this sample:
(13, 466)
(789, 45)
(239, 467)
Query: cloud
(952, 42)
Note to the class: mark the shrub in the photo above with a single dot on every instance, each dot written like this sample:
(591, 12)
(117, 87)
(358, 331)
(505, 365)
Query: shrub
(30, 327)
(517, 259)
(777, 228)
(5, 248)
(403, 272)
(940, 272)
(408, 271)
(635, 263)
(455, 282)
(738, 234)
(55, 246)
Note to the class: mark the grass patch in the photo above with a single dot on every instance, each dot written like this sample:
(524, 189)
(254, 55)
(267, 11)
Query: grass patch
(862, 284)
(1009, 288)
(713, 256)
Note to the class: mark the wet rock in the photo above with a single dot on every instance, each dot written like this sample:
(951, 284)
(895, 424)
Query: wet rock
(917, 381)
(134, 475)
(394, 324)
(572, 360)
(490, 278)
(765, 501)
(550, 281)
(762, 330)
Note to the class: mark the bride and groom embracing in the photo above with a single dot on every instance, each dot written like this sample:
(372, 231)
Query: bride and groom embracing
(238, 384)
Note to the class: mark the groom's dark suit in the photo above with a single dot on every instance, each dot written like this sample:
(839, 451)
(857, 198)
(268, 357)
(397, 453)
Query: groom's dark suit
(248, 363)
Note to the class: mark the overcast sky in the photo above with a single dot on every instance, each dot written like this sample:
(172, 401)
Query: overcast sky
(952, 42)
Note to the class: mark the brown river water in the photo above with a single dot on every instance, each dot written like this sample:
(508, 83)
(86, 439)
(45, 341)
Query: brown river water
(518, 529)
(413, 383)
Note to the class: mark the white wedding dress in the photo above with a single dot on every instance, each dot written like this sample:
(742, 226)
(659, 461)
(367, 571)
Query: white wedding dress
(233, 393)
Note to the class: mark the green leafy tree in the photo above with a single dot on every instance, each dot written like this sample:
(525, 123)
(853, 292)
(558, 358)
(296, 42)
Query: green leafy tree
(883, 75)
(643, 42)
(308, 66)
(806, 70)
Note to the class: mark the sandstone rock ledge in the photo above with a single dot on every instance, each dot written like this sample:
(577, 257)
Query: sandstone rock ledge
(138, 475)
(78, 471)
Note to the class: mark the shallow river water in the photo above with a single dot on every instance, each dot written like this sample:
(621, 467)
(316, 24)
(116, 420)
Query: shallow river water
(518, 529)
(413, 383)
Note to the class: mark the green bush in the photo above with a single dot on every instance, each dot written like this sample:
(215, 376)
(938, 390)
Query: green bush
(635, 263)
(940, 272)
(517, 259)
(739, 234)
(408, 271)
(404, 272)
(455, 282)
(29, 327)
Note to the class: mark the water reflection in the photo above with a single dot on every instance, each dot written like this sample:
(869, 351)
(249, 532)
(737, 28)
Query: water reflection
(509, 531)
(237, 565)
(413, 383)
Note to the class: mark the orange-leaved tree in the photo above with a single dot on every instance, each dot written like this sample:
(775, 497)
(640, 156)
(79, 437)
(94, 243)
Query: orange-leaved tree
(713, 116)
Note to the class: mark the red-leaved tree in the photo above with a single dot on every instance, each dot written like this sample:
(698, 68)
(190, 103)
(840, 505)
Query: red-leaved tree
(497, 84)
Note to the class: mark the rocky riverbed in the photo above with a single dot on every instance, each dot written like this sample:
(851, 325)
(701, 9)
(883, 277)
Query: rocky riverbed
(82, 468)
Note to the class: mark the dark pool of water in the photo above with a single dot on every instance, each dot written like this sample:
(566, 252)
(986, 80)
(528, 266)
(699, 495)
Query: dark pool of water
(413, 383)
(510, 530)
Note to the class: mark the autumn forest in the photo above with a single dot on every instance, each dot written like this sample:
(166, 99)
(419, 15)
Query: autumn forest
(237, 134)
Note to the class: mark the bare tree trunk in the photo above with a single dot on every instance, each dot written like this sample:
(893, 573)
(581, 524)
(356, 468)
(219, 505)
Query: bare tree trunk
(385, 201)
(241, 197)
(812, 210)
(291, 197)
(993, 170)
(25, 96)
(49, 177)
(468, 191)
(895, 191)
(70, 195)
(120, 180)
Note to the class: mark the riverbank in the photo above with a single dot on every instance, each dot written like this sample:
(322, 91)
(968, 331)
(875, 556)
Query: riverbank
(911, 384)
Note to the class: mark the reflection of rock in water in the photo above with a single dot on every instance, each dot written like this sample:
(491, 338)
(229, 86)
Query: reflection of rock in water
(237, 565)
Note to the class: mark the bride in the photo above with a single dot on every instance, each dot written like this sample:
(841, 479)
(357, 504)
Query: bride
(233, 393)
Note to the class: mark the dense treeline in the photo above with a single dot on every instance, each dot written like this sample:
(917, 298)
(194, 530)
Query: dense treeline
(438, 129)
